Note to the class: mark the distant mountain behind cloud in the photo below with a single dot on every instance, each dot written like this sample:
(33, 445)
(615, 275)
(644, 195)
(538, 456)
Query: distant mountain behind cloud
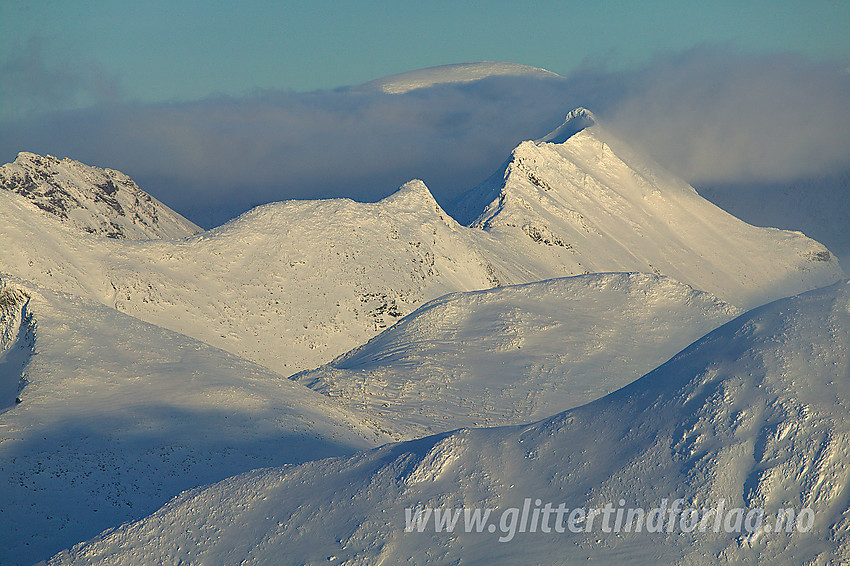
(454, 73)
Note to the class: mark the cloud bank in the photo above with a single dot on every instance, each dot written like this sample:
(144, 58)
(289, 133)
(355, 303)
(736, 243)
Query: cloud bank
(710, 115)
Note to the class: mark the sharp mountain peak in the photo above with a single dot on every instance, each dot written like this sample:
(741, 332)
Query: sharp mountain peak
(576, 121)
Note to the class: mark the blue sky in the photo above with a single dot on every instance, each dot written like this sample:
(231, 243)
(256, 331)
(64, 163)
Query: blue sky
(181, 50)
(215, 107)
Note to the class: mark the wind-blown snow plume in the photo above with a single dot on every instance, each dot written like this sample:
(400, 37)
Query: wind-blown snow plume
(716, 117)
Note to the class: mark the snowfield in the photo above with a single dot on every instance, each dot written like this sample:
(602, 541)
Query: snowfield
(754, 414)
(517, 354)
(118, 415)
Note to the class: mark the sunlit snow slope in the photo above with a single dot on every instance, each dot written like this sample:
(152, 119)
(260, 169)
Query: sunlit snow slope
(97, 201)
(289, 285)
(582, 198)
(517, 354)
(757, 413)
(118, 416)
(818, 206)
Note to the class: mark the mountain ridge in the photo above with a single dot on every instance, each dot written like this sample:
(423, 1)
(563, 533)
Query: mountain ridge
(590, 196)
(97, 201)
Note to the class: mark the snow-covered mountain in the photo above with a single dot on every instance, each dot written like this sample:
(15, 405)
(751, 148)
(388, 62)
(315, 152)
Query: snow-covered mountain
(516, 354)
(754, 414)
(95, 200)
(118, 416)
(289, 285)
(292, 285)
(581, 196)
(104, 417)
(454, 73)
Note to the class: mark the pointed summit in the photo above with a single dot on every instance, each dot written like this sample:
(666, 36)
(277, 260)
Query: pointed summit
(414, 196)
(413, 190)
(576, 121)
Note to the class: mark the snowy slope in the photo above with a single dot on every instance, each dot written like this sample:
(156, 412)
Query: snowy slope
(289, 285)
(756, 413)
(581, 196)
(292, 285)
(97, 201)
(455, 73)
(817, 206)
(118, 416)
(517, 354)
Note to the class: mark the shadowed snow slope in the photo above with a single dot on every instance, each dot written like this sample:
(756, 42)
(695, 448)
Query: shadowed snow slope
(17, 338)
(517, 354)
(292, 285)
(757, 414)
(118, 416)
(94, 200)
